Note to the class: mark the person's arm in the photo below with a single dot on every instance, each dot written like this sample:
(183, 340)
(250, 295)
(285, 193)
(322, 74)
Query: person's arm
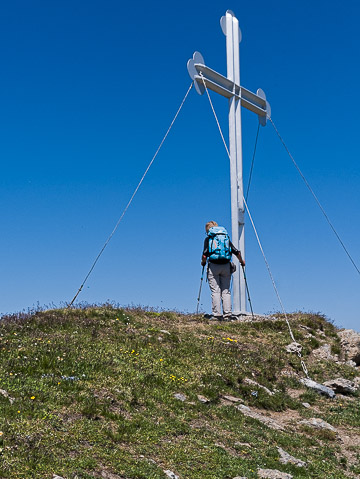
(237, 253)
(205, 253)
(239, 257)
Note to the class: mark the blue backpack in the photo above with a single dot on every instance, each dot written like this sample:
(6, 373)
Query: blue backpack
(219, 243)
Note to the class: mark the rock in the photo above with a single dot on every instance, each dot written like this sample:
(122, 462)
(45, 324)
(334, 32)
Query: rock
(180, 397)
(294, 347)
(357, 382)
(251, 382)
(171, 474)
(55, 476)
(350, 345)
(217, 444)
(319, 388)
(341, 386)
(164, 331)
(273, 474)
(243, 444)
(288, 373)
(319, 332)
(232, 399)
(260, 417)
(7, 395)
(238, 477)
(351, 363)
(203, 399)
(323, 353)
(306, 404)
(309, 335)
(318, 424)
(286, 458)
(70, 378)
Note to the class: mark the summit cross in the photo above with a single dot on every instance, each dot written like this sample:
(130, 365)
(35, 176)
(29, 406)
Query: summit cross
(238, 96)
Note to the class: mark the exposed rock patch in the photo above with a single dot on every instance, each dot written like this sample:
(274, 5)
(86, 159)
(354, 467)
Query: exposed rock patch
(7, 395)
(232, 399)
(203, 399)
(180, 397)
(318, 424)
(273, 474)
(286, 458)
(319, 388)
(341, 386)
(323, 353)
(171, 474)
(350, 345)
(294, 347)
(251, 382)
(268, 421)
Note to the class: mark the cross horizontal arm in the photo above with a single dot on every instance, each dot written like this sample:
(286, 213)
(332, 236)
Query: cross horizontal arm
(244, 95)
(218, 83)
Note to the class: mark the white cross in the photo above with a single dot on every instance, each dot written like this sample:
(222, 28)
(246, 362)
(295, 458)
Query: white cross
(238, 96)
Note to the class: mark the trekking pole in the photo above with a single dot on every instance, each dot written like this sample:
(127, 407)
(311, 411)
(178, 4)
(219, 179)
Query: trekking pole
(201, 281)
(248, 292)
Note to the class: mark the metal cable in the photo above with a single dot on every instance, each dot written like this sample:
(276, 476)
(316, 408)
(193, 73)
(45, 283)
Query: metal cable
(132, 197)
(275, 288)
(252, 163)
(315, 197)
(248, 292)
(298, 352)
(216, 118)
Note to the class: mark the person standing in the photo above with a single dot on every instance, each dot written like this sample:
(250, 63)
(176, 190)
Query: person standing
(218, 249)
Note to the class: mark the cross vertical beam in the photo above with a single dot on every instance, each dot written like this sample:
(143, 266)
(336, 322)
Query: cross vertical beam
(231, 31)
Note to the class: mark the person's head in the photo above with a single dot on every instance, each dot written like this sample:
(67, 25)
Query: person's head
(209, 225)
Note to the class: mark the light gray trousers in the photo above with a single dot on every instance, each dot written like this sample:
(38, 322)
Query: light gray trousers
(219, 278)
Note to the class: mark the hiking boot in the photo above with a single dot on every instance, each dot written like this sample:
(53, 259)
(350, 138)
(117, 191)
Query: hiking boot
(216, 318)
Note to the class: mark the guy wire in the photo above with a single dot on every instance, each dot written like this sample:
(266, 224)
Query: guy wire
(131, 199)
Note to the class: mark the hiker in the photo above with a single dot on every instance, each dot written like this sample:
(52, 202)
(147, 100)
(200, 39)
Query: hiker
(218, 249)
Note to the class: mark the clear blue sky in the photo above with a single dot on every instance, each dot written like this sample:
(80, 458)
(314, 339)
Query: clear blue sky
(88, 90)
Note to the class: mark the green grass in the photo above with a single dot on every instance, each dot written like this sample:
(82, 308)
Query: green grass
(94, 389)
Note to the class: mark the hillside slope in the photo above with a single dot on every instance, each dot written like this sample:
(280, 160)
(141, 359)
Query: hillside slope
(113, 393)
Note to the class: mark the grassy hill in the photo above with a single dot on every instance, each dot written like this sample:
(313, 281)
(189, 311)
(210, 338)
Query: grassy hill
(111, 393)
